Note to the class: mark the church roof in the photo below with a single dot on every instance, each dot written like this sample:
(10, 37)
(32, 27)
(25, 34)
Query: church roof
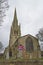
(23, 38)
(27, 36)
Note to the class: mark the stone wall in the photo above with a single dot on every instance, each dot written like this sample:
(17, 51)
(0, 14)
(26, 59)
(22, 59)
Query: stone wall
(22, 63)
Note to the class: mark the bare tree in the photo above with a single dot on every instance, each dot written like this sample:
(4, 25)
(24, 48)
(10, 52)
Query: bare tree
(3, 8)
(1, 47)
(40, 38)
(40, 34)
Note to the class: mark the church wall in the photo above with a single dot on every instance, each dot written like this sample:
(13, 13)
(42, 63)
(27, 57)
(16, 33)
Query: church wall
(6, 53)
(27, 55)
(12, 40)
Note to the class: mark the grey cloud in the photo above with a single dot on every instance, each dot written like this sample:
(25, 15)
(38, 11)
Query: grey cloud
(30, 15)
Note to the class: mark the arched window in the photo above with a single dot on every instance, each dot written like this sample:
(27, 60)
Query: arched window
(29, 44)
(10, 53)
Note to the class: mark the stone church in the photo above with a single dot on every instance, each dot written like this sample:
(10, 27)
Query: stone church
(26, 47)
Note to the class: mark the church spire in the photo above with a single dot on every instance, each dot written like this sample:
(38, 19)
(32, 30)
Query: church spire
(15, 30)
(15, 21)
(19, 30)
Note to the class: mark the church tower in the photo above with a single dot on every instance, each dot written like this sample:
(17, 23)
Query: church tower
(15, 30)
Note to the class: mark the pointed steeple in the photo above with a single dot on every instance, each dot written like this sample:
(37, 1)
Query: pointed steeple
(19, 30)
(15, 21)
(15, 30)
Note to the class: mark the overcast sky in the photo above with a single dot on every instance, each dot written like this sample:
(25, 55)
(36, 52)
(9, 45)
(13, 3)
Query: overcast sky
(29, 14)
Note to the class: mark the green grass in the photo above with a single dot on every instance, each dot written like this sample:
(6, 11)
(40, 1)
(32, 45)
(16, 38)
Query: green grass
(19, 59)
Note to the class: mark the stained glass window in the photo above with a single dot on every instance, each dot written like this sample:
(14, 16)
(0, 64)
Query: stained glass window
(29, 44)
